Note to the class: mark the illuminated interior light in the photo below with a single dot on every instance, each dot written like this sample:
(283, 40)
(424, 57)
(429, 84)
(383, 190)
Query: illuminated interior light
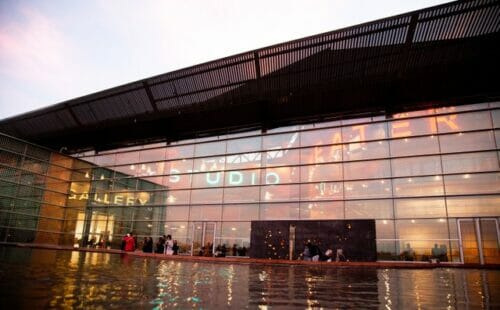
(150, 225)
(410, 180)
(460, 134)
(385, 222)
(166, 226)
(442, 220)
(364, 185)
(413, 221)
(437, 178)
(143, 167)
(310, 206)
(466, 176)
(233, 228)
(132, 167)
(87, 175)
(382, 181)
(380, 142)
(432, 137)
(102, 176)
(406, 139)
(182, 226)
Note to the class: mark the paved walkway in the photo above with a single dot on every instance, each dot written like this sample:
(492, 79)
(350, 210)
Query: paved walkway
(247, 260)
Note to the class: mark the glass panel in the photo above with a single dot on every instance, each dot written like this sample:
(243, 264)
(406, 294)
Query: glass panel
(495, 114)
(205, 213)
(471, 162)
(412, 127)
(472, 183)
(241, 194)
(210, 148)
(244, 145)
(367, 170)
(419, 186)
(105, 160)
(243, 161)
(281, 158)
(321, 191)
(177, 181)
(385, 229)
(367, 189)
(416, 166)
(152, 155)
(209, 163)
(279, 192)
(359, 133)
(469, 241)
(489, 240)
(243, 177)
(240, 212)
(280, 175)
(419, 208)
(178, 197)
(178, 166)
(418, 236)
(181, 151)
(281, 141)
(469, 141)
(208, 179)
(414, 146)
(322, 210)
(211, 195)
(177, 213)
(473, 206)
(463, 122)
(369, 209)
(318, 154)
(127, 158)
(279, 211)
(321, 137)
(235, 236)
(414, 113)
(367, 150)
(315, 173)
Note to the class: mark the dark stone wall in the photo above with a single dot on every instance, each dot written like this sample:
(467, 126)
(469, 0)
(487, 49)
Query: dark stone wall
(271, 239)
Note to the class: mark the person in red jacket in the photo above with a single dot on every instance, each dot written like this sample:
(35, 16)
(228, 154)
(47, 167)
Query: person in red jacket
(129, 243)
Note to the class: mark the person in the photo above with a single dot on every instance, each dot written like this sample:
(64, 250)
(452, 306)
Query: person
(315, 253)
(175, 248)
(169, 244)
(340, 256)
(444, 253)
(408, 254)
(234, 250)
(148, 245)
(307, 252)
(435, 252)
(160, 245)
(329, 255)
(129, 243)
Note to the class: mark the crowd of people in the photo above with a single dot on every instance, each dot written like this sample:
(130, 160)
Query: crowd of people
(164, 245)
(312, 252)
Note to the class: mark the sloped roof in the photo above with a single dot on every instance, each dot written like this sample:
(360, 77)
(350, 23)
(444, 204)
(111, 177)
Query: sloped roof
(446, 54)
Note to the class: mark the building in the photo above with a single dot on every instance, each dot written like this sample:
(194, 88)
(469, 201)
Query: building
(396, 122)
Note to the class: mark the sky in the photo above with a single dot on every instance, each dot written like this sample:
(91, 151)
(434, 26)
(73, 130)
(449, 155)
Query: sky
(52, 51)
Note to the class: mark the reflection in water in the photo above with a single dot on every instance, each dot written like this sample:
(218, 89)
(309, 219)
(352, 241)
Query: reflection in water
(33, 278)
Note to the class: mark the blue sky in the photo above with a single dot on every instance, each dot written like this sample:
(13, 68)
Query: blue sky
(52, 51)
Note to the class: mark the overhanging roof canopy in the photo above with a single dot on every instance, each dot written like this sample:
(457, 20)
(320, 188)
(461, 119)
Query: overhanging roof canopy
(446, 54)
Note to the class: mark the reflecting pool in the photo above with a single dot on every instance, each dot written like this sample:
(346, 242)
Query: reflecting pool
(37, 278)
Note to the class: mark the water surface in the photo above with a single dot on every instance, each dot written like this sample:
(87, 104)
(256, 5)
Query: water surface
(51, 279)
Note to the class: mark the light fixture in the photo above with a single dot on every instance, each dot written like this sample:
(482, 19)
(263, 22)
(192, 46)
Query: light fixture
(87, 175)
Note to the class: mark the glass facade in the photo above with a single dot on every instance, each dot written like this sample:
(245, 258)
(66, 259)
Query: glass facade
(426, 177)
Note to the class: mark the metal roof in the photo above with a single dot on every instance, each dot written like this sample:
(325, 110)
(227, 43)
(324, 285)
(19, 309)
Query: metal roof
(446, 54)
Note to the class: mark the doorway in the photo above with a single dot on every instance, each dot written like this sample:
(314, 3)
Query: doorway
(479, 240)
(203, 238)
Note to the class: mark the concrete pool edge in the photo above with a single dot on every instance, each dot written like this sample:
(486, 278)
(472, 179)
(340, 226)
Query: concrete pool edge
(247, 260)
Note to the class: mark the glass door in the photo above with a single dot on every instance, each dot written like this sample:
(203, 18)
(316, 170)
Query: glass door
(203, 238)
(479, 240)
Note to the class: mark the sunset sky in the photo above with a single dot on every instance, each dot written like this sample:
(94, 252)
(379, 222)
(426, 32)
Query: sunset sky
(52, 51)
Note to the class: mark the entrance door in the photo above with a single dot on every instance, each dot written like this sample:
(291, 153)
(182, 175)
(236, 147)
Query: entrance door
(479, 240)
(203, 238)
